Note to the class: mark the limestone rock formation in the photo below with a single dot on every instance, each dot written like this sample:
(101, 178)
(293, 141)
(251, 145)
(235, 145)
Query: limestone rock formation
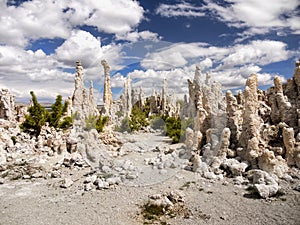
(272, 164)
(290, 146)
(7, 105)
(92, 104)
(207, 107)
(83, 104)
(234, 118)
(250, 137)
(223, 149)
(107, 95)
(126, 98)
(281, 108)
(255, 129)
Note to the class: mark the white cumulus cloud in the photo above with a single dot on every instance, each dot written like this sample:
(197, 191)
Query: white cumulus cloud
(259, 17)
(181, 9)
(33, 20)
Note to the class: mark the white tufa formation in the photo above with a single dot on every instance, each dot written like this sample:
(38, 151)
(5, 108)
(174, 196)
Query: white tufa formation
(107, 95)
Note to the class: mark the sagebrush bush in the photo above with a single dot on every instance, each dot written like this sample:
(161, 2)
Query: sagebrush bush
(94, 122)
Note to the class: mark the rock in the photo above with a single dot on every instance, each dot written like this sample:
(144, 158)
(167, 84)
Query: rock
(7, 105)
(126, 98)
(235, 167)
(113, 180)
(88, 186)
(26, 176)
(83, 103)
(249, 139)
(264, 183)
(210, 175)
(37, 175)
(287, 178)
(196, 160)
(90, 179)
(102, 184)
(67, 182)
(55, 174)
(2, 155)
(224, 143)
(289, 143)
(297, 188)
(272, 164)
(107, 95)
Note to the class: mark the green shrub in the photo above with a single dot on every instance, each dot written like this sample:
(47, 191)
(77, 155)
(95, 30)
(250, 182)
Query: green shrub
(56, 118)
(138, 119)
(94, 122)
(66, 122)
(175, 127)
(36, 118)
(56, 112)
(101, 122)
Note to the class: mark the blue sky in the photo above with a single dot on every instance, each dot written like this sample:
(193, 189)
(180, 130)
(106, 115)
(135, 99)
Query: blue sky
(148, 40)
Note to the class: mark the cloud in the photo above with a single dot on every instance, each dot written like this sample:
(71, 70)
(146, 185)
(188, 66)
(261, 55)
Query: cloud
(182, 9)
(176, 55)
(256, 16)
(139, 36)
(116, 17)
(232, 78)
(33, 20)
(259, 17)
(260, 52)
(83, 46)
(23, 71)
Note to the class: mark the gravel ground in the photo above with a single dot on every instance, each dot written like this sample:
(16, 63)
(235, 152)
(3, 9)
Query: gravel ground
(43, 201)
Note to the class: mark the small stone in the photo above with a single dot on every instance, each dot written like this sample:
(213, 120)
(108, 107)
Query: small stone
(225, 183)
(210, 175)
(297, 188)
(100, 184)
(238, 180)
(88, 186)
(26, 176)
(131, 176)
(90, 179)
(163, 171)
(55, 174)
(67, 182)
(113, 180)
(37, 175)
(287, 178)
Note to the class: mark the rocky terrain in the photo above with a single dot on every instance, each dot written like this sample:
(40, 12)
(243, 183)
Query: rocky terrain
(239, 163)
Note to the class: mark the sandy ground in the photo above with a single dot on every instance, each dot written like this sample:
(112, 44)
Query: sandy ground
(42, 201)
